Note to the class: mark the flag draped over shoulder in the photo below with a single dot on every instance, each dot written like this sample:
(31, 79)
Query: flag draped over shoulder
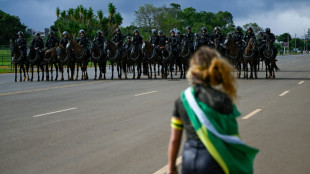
(219, 133)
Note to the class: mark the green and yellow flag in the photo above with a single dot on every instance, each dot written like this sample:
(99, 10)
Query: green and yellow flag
(219, 133)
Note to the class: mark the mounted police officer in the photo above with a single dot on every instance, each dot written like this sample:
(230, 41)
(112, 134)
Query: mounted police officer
(127, 45)
(189, 38)
(118, 38)
(217, 35)
(65, 39)
(83, 41)
(238, 38)
(99, 39)
(137, 39)
(180, 38)
(204, 38)
(272, 37)
(250, 34)
(21, 43)
(51, 41)
(38, 44)
(174, 41)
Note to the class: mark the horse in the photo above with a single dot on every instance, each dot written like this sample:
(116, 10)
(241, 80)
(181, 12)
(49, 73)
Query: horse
(19, 59)
(218, 46)
(81, 58)
(269, 58)
(65, 59)
(34, 59)
(135, 58)
(98, 57)
(115, 55)
(168, 57)
(233, 53)
(184, 56)
(50, 58)
(151, 57)
(249, 57)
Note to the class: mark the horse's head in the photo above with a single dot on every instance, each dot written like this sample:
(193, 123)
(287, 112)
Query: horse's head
(68, 46)
(228, 40)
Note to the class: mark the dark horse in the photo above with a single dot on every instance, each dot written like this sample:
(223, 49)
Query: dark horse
(269, 58)
(80, 57)
(115, 55)
(65, 59)
(249, 57)
(50, 58)
(168, 57)
(135, 58)
(34, 59)
(19, 59)
(218, 46)
(151, 57)
(233, 53)
(98, 57)
(185, 54)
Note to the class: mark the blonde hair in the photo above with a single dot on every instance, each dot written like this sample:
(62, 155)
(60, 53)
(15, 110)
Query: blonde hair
(209, 68)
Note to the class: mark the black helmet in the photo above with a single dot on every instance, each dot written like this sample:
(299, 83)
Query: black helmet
(20, 33)
(118, 30)
(51, 32)
(172, 31)
(136, 31)
(250, 28)
(217, 28)
(178, 32)
(82, 31)
(267, 29)
(154, 31)
(99, 32)
(238, 28)
(65, 32)
(38, 34)
(160, 32)
(204, 29)
(188, 28)
(128, 37)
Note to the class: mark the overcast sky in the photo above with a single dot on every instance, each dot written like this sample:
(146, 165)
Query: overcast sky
(292, 16)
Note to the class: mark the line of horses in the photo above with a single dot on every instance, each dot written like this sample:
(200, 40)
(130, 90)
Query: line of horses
(168, 60)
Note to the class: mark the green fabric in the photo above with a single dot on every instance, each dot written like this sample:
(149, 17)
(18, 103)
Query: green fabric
(233, 158)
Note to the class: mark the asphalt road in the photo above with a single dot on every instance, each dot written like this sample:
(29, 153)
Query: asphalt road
(123, 126)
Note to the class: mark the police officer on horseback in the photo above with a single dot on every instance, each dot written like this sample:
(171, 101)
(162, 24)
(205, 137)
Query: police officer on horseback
(38, 44)
(189, 38)
(250, 34)
(174, 41)
(238, 38)
(217, 36)
(51, 41)
(118, 38)
(21, 43)
(83, 41)
(272, 37)
(137, 39)
(204, 38)
(99, 39)
(65, 39)
(127, 45)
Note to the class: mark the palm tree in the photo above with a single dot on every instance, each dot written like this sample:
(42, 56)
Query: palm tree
(57, 12)
(63, 15)
(70, 13)
(90, 15)
(112, 10)
(100, 15)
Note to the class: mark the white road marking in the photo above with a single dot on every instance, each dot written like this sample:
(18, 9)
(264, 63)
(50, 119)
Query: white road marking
(145, 93)
(165, 169)
(284, 93)
(40, 115)
(301, 82)
(251, 114)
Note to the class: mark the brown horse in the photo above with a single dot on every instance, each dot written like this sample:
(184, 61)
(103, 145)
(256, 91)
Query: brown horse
(150, 54)
(249, 57)
(80, 57)
(115, 55)
(50, 58)
(233, 53)
(19, 59)
(65, 59)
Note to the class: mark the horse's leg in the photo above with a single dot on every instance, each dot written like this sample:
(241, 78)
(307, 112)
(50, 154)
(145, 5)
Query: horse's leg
(47, 72)
(52, 78)
(112, 64)
(134, 71)
(56, 67)
(77, 71)
(86, 74)
(31, 72)
(104, 66)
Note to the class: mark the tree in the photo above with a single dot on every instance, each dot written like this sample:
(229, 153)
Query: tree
(256, 28)
(11, 25)
(283, 37)
(57, 12)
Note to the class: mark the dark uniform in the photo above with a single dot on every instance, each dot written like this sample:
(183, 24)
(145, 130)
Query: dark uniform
(127, 45)
(99, 40)
(118, 38)
(174, 41)
(162, 40)
(247, 37)
(204, 39)
(51, 42)
(272, 37)
(83, 41)
(238, 39)
(64, 41)
(38, 43)
(22, 44)
(189, 39)
(154, 40)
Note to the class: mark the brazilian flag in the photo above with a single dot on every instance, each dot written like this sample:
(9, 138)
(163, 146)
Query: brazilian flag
(219, 133)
